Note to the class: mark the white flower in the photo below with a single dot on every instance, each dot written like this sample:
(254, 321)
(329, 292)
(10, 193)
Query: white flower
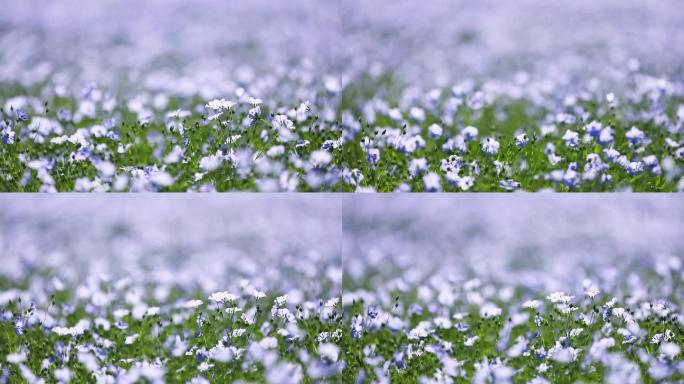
(222, 297)
(532, 304)
(571, 139)
(332, 302)
(469, 342)
(422, 330)
(281, 300)
(435, 131)
(509, 184)
(16, 358)
(521, 140)
(329, 351)
(131, 339)
(417, 113)
(89, 361)
(559, 297)
(220, 104)
(63, 375)
(442, 322)
(211, 162)
(661, 310)
(174, 156)
(565, 308)
(320, 158)
(490, 310)
(323, 336)
(565, 355)
(373, 155)
(490, 146)
(466, 182)
(657, 338)
(432, 182)
(606, 136)
(233, 310)
(121, 313)
(469, 133)
(417, 166)
(635, 168)
(192, 304)
(670, 350)
(152, 311)
(669, 335)
(284, 126)
(275, 150)
(592, 291)
(76, 330)
(503, 374)
(222, 354)
(268, 343)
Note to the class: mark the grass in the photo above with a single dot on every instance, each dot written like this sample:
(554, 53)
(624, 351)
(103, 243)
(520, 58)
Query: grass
(387, 346)
(137, 150)
(174, 339)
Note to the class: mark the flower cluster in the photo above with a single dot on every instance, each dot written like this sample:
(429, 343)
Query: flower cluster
(261, 112)
(145, 296)
(491, 292)
(126, 337)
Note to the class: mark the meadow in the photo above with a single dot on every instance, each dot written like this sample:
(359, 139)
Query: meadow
(403, 293)
(138, 295)
(490, 293)
(448, 97)
(349, 96)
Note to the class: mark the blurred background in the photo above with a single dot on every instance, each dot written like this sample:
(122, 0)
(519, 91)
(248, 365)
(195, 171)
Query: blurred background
(543, 241)
(206, 48)
(210, 48)
(307, 243)
(442, 41)
(283, 242)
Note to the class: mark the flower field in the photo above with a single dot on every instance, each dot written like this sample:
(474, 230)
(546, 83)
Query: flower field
(341, 104)
(342, 289)
(343, 96)
(137, 295)
(514, 290)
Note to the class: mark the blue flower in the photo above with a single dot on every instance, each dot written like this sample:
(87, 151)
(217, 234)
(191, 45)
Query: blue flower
(628, 339)
(356, 328)
(462, 327)
(373, 156)
(21, 114)
(19, 327)
(416, 309)
(7, 136)
(399, 360)
(64, 114)
(509, 184)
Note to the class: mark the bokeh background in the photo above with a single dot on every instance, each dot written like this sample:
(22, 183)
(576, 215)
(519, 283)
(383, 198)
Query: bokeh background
(540, 241)
(288, 243)
(442, 42)
(211, 48)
